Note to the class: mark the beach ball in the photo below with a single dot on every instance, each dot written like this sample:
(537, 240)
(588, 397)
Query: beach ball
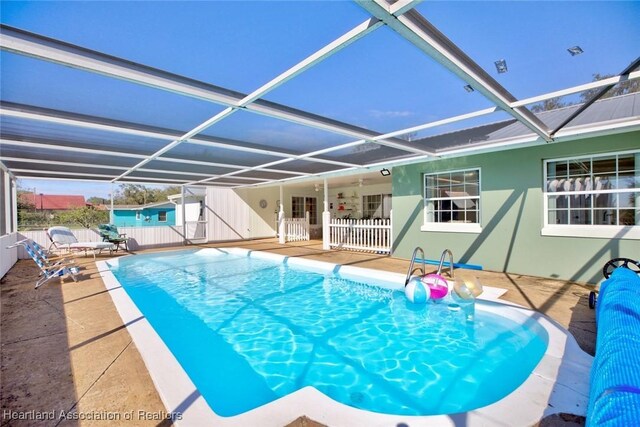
(467, 289)
(416, 291)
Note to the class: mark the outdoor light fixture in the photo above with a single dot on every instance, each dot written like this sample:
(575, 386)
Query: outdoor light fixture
(317, 187)
(468, 88)
(385, 172)
(576, 50)
(501, 66)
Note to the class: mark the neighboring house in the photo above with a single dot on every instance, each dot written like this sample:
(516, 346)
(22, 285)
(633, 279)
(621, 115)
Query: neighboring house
(52, 202)
(149, 215)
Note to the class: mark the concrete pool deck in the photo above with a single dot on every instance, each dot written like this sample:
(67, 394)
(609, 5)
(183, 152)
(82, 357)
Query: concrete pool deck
(64, 347)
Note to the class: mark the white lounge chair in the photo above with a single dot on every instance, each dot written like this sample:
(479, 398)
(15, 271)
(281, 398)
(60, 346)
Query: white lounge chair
(63, 239)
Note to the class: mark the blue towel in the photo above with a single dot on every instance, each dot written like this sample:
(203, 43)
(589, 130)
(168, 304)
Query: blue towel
(614, 398)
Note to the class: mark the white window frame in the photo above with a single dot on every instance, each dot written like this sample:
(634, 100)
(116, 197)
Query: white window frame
(138, 215)
(452, 227)
(590, 231)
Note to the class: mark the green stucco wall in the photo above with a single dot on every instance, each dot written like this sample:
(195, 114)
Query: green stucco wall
(511, 214)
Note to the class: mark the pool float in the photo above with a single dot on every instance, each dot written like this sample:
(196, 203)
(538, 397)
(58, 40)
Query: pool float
(467, 289)
(437, 285)
(417, 291)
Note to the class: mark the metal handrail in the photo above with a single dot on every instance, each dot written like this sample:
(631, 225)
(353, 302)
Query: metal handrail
(446, 251)
(413, 259)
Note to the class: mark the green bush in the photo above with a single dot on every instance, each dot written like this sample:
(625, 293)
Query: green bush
(85, 217)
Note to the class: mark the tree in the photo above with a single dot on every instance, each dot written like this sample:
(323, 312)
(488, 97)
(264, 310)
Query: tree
(86, 217)
(23, 203)
(628, 86)
(136, 194)
(409, 136)
(548, 104)
(97, 200)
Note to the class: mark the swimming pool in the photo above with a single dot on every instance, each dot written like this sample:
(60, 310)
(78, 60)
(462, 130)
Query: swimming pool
(278, 326)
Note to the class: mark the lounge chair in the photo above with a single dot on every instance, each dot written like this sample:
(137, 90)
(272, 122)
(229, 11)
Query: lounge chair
(63, 239)
(48, 270)
(109, 233)
(47, 256)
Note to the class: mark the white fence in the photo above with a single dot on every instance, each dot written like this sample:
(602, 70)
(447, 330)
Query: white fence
(139, 237)
(296, 229)
(366, 235)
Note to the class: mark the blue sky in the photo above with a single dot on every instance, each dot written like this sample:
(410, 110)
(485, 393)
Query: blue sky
(380, 82)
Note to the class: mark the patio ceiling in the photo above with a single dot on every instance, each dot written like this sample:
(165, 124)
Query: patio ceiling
(205, 145)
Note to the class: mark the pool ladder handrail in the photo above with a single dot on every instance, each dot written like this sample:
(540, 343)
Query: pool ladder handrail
(413, 259)
(446, 251)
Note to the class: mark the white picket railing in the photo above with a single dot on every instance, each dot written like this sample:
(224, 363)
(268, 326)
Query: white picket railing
(296, 229)
(366, 235)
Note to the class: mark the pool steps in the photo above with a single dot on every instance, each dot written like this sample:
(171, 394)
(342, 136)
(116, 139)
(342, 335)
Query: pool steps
(445, 252)
(413, 260)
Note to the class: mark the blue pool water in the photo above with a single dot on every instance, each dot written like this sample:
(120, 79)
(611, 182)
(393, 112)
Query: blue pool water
(249, 330)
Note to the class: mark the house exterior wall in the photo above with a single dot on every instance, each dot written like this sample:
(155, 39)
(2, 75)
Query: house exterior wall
(511, 214)
(227, 220)
(127, 218)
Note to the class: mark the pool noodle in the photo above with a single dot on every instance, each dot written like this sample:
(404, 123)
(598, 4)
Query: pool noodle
(446, 264)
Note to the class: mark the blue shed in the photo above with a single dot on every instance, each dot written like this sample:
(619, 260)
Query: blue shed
(149, 215)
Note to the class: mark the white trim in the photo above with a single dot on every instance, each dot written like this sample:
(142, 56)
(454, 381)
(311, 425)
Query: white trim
(14, 199)
(452, 227)
(426, 37)
(440, 122)
(48, 49)
(606, 128)
(593, 231)
(37, 145)
(574, 89)
(335, 46)
(587, 230)
(591, 156)
(130, 129)
(403, 6)
(7, 195)
(102, 166)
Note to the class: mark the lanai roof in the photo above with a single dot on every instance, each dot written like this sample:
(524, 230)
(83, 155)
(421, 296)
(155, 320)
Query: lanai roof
(116, 110)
